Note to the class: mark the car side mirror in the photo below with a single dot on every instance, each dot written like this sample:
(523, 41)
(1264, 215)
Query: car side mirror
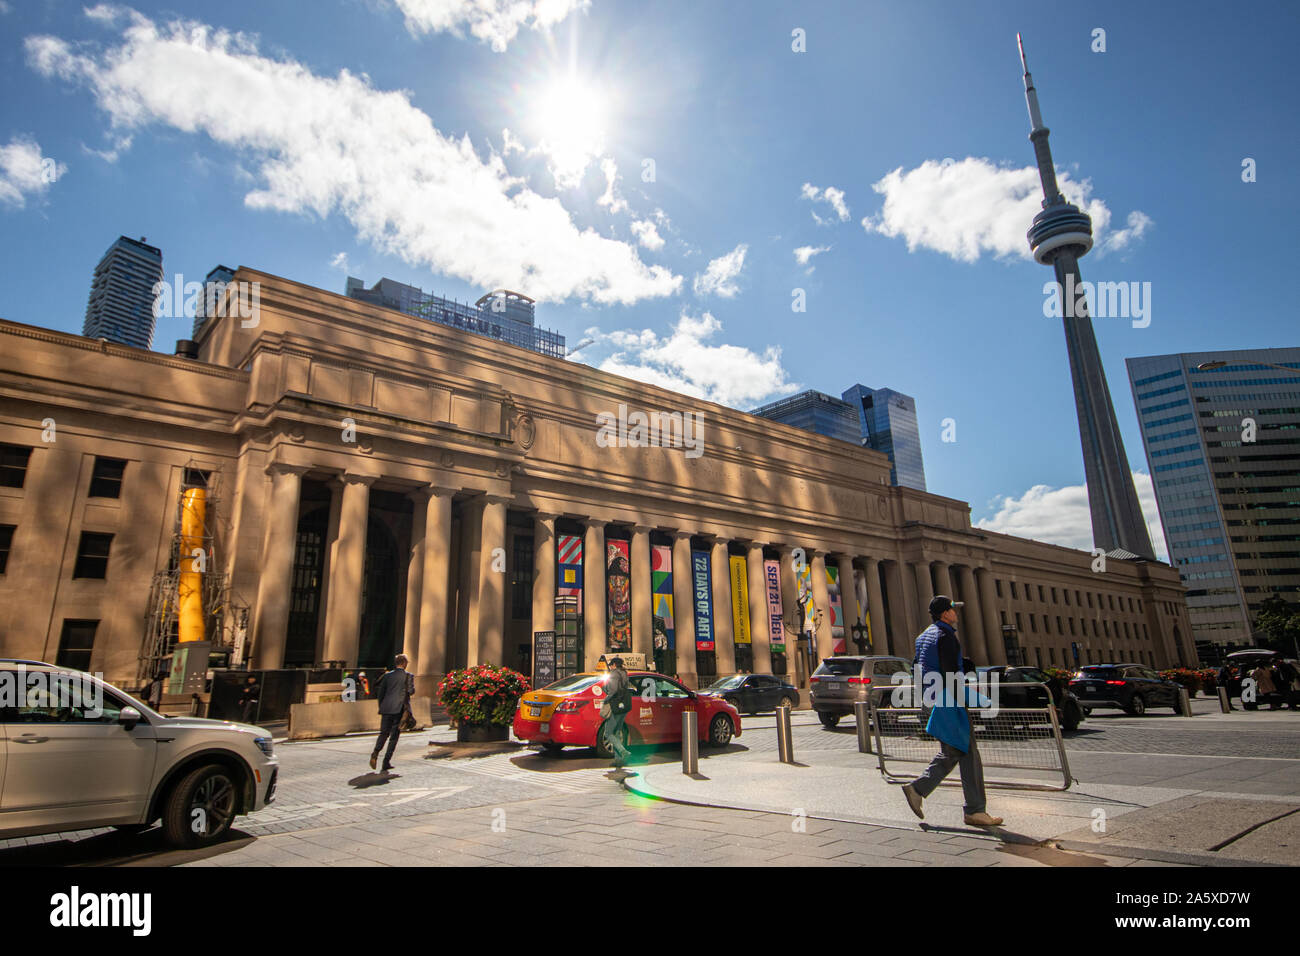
(128, 717)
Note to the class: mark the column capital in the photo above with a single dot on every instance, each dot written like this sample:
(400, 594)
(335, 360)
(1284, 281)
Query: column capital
(590, 523)
(642, 528)
(498, 500)
(545, 516)
(284, 468)
(678, 534)
(354, 478)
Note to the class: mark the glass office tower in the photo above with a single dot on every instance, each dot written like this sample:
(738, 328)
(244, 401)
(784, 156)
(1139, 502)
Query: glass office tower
(887, 420)
(1223, 447)
(815, 412)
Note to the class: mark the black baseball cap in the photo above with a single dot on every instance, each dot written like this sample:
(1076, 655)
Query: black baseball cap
(940, 603)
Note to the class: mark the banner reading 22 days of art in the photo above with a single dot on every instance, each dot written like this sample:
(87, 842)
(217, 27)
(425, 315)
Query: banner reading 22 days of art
(618, 575)
(775, 620)
(661, 587)
(702, 590)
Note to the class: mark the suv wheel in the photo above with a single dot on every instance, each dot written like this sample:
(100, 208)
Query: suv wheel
(829, 721)
(1136, 706)
(200, 807)
(790, 702)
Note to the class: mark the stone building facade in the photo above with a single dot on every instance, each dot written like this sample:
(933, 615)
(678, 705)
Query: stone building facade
(387, 483)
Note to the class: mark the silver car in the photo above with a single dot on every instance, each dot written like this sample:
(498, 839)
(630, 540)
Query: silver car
(840, 682)
(77, 753)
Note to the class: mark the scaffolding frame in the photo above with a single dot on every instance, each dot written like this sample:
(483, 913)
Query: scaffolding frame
(223, 613)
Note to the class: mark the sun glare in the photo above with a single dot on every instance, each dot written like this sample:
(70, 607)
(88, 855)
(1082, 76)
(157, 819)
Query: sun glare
(570, 118)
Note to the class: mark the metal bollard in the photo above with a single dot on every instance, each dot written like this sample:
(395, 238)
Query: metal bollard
(862, 711)
(1225, 702)
(690, 742)
(1184, 702)
(784, 737)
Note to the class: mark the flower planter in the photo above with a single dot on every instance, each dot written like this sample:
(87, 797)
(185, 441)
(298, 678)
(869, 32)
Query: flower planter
(481, 733)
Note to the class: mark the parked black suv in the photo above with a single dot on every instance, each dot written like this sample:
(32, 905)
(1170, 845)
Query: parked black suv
(1069, 712)
(751, 693)
(1132, 687)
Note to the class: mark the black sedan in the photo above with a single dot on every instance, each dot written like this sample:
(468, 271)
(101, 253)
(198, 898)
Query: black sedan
(1131, 687)
(1069, 712)
(752, 693)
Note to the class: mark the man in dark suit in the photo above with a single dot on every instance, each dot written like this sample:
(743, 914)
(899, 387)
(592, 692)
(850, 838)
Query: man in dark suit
(394, 692)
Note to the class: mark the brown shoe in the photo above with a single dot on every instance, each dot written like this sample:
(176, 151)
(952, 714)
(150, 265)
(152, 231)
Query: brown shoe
(982, 819)
(374, 758)
(913, 800)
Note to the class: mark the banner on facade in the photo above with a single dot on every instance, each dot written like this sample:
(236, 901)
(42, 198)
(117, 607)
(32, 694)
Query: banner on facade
(661, 587)
(703, 590)
(837, 610)
(618, 581)
(775, 620)
(864, 612)
(740, 623)
(568, 554)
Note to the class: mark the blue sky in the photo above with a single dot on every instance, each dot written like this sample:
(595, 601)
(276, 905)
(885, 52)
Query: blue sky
(460, 147)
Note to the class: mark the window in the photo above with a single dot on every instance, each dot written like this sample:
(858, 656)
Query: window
(92, 555)
(68, 699)
(75, 644)
(13, 465)
(1073, 632)
(6, 540)
(1033, 626)
(1090, 599)
(1051, 656)
(997, 586)
(521, 583)
(1054, 601)
(1041, 598)
(106, 479)
(1014, 593)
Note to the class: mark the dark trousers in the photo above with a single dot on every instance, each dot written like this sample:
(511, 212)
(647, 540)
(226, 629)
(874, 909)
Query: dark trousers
(390, 728)
(972, 775)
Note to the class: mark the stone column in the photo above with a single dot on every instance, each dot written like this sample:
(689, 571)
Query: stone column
(594, 594)
(997, 652)
(896, 576)
(876, 608)
(414, 577)
(279, 542)
(759, 630)
(912, 600)
(343, 606)
(643, 631)
(724, 635)
(543, 572)
(684, 609)
(327, 561)
(435, 583)
(848, 600)
(487, 641)
(976, 640)
(943, 580)
(821, 604)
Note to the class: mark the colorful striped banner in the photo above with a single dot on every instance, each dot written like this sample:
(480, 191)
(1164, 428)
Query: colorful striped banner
(837, 610)
(661, 586)
(568, 554)
(775, 619)
(618, 583)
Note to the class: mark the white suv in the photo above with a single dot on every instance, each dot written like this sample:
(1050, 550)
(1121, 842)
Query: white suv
(77, 753)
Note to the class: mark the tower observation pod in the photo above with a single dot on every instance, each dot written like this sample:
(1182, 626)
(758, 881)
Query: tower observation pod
(1058, 237)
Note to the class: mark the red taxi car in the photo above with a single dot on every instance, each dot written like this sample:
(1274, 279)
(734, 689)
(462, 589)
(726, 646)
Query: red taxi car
(567, 713)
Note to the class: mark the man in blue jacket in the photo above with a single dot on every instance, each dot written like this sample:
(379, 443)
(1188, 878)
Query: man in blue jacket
(939, 652)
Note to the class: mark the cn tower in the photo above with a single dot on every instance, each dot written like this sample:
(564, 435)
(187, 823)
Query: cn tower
(1060, 234)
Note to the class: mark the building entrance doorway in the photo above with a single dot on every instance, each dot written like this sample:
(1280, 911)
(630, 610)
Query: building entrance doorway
(379, 597)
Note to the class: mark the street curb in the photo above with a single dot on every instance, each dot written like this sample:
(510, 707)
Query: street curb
(1159, 856)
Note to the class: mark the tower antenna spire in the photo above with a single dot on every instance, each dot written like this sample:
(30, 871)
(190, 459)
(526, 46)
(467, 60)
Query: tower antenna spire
(1038, 136)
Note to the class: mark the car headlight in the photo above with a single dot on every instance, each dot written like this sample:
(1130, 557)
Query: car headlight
(264, 745)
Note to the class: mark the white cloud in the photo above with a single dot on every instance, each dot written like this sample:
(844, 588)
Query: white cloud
(719, 274)
(969, 208)
(340, 262)
(834, 197)
(1061, 515)
(612, 198)
(686, 361)
(25, 172)
(647, 234)
(804, 254)
(336, 144)
(1138, 223)
(494, 21)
